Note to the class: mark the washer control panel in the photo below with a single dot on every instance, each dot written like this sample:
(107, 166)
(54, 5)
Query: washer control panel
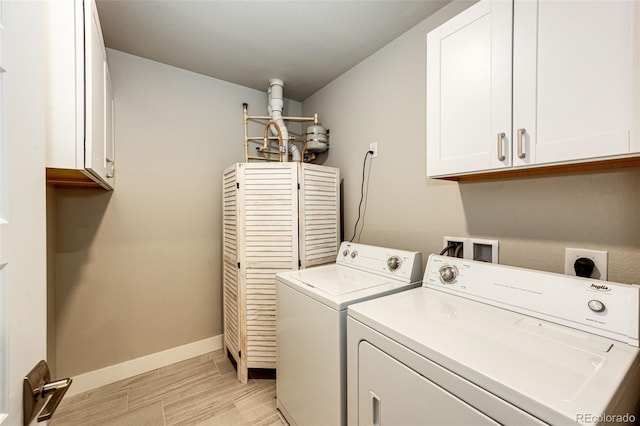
(398, 264)
(393, 263)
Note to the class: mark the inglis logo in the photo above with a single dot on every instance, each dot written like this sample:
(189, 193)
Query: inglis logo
(600, 287)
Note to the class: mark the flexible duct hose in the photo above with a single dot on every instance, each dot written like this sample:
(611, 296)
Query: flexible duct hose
(295, 152)
(271, 125)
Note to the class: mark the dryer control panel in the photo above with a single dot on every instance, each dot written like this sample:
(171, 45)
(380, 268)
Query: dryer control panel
(600, 307)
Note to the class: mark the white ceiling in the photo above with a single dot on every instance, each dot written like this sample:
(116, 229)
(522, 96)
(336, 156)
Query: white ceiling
(305, 43)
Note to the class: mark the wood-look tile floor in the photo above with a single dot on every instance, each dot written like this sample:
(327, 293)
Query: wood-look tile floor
(200, 391)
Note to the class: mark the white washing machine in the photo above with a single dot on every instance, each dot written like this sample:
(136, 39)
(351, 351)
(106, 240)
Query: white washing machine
(488, 344)
(311, 309)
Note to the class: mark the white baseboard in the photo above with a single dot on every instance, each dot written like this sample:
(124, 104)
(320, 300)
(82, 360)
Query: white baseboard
(113, 373)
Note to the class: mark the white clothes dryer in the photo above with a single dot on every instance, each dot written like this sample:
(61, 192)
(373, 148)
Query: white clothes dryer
(311, 311)
(489, 344)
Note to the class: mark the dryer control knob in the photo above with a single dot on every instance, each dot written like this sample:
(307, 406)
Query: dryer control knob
(393, 263)
(448, 274)
(354, 254)
(345, 253)
(596, 305)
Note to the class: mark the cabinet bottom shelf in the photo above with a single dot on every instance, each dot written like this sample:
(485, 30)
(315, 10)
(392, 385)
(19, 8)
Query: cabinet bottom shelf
(72, 178)
(558, 169)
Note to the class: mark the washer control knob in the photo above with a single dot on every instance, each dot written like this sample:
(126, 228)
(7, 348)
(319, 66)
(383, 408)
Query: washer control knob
(393, 263)
(448, 274)
(596, 306)
(354, 254)
(345, 253)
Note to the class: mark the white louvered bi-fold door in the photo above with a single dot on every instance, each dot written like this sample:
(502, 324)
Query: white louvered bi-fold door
(270, 195)
(230, 275)
(319, 214)
(266, 242)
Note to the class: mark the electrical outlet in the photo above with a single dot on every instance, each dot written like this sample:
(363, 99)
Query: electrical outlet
(373, 146)
(597, 256)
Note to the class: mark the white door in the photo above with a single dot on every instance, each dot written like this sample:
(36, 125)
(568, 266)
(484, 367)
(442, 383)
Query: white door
(575, 81)
(22, 201)
(469, 90)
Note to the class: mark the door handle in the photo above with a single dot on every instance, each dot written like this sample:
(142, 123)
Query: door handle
(36, 388)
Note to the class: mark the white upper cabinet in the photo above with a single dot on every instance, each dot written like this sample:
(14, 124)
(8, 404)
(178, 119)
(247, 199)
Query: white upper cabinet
(575, 92)
(469, 90)
(575, 83)
(80, 143)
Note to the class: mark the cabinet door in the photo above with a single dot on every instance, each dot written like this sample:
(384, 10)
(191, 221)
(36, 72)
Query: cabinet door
(576, 79)
(109, 126)
(95, 80)
(469, 91)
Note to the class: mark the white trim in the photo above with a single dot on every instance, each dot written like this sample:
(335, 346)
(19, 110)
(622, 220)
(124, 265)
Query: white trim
(113, 373)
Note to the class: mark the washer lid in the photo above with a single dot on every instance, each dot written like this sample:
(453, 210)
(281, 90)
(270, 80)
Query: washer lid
(554, 372)
(338, 286)
(338, 281)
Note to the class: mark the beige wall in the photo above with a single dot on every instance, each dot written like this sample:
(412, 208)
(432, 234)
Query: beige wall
(138, 269)
(383, 99)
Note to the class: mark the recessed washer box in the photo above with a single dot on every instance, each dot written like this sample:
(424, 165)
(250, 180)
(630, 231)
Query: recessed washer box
(475, 248)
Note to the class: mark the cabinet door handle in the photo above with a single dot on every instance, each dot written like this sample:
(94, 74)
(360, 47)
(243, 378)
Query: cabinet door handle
(113, 168)
(521, 153)
(501, 156)
(375, 406)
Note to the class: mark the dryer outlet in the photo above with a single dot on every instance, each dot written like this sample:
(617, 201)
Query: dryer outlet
(598, 257)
